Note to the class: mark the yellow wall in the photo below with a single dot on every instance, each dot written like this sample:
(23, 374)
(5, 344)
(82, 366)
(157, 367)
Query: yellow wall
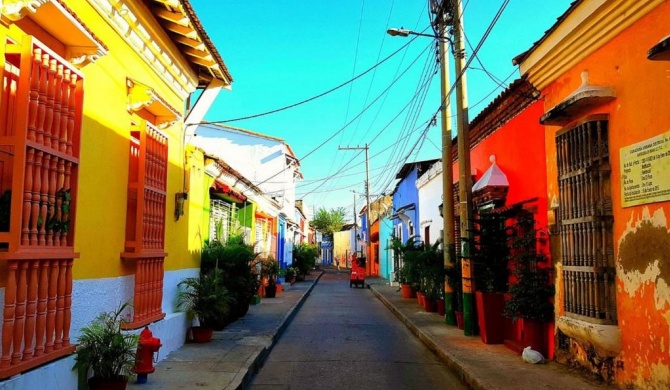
(342, 245)
(103, 174)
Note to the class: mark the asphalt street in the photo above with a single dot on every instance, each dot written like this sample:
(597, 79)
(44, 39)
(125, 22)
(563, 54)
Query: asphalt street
(344, 338)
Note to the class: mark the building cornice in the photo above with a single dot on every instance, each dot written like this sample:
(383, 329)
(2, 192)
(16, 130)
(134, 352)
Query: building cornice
(149, 40)
(590, 25)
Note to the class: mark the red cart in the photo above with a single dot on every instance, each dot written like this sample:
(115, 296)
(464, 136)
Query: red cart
(357, 277)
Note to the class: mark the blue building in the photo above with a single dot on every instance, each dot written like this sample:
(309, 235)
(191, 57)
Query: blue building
(406, 200)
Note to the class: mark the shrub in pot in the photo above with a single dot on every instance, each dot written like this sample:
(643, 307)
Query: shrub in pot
(236, 260)
(432, 269)
(206, 299)
(107, 350)
(290, 275)
(489, 244)
(271, 270)
(531, 296)
(409, 255)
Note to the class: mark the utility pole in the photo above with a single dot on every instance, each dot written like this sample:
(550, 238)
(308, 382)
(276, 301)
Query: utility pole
(448, 230)
(368, 255)
(355, 224)
(464, 174)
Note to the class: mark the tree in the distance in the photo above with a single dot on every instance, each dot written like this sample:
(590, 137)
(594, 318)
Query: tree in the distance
(329, 221)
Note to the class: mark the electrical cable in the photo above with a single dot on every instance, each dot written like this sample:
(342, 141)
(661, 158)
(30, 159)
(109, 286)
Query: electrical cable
(316, 96)
(341, 129)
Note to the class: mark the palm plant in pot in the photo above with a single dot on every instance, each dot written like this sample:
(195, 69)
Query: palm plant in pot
(237, 260)
(271, 269)
(409, 274)
(107, 350)
(206, 302)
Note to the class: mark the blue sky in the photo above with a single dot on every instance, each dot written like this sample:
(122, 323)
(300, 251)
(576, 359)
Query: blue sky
(285, 51)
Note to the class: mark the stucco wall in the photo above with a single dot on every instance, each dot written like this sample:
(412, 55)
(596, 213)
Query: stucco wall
(259, 159)
(407, 194)
(641, 233)
(385, 254)
(429, 187)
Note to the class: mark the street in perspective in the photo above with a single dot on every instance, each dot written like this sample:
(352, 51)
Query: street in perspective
(345, 338)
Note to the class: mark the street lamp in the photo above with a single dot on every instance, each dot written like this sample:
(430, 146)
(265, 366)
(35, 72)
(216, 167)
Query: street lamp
(403, 32)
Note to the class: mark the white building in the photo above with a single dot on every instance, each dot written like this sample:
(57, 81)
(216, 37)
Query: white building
(429, 186)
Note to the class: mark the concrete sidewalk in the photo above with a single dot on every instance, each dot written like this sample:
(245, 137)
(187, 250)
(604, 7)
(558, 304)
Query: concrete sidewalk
(229, 361)
(479, 365)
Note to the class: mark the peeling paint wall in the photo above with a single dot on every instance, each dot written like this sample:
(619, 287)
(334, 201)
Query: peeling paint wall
(643, 275)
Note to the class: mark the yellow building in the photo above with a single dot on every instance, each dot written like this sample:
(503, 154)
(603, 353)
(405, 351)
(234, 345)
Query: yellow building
(94, 171)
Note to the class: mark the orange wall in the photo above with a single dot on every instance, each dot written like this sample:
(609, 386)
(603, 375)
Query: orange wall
(642, 251)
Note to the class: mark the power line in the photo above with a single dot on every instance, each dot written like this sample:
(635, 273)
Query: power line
(350, 122)
(313, 97)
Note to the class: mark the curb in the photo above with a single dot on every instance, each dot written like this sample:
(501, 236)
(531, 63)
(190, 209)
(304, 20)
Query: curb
(256, 360)
(448, 359)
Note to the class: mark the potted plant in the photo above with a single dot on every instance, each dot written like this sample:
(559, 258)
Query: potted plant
(237, 261)
(271, 269)
(490, 257)
(207, 302)
(402, 274)
(530, 298)
(107, 350)
(432, 268)
(290, 275)
(409, 274)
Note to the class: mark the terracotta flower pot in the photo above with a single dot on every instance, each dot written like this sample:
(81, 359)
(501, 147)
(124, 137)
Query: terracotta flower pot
(407, 291)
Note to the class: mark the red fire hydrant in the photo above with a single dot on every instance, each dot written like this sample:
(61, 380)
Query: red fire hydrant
(144, 361)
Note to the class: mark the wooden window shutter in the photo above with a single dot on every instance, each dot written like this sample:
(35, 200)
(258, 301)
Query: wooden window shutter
(145, 220)
(40, 116)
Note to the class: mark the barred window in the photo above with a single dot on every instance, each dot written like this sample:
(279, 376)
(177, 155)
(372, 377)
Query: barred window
(585, 220)
(220, 220)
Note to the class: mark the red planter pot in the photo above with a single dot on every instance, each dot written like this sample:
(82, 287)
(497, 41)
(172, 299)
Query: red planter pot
(459, 319)
(533, 335)
(407, 291)
(440, 307)
(490, 308)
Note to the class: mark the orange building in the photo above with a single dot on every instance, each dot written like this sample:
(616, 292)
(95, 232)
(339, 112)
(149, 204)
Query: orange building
(602, 70)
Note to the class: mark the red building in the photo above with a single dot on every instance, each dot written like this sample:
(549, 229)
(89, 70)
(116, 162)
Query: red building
(508, 132)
